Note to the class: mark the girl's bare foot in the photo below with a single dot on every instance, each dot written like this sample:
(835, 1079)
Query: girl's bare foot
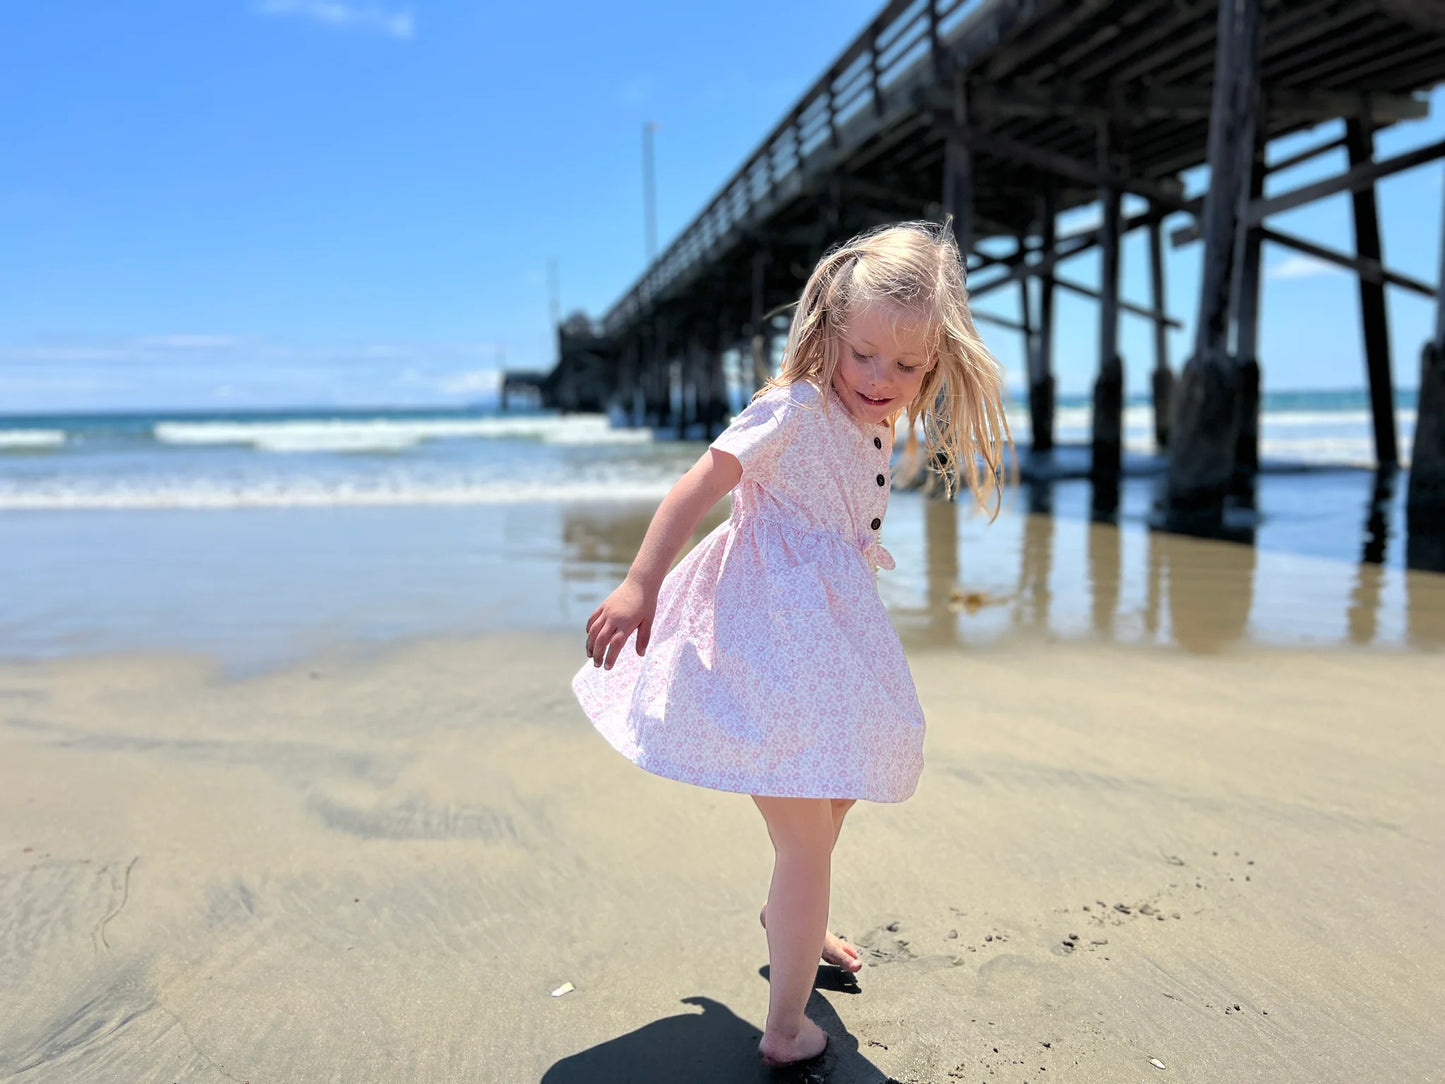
(808, 1043)
(836, 951)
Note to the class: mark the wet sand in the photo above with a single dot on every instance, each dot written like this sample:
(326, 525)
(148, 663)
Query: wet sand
(1326, 563)
(379, 866)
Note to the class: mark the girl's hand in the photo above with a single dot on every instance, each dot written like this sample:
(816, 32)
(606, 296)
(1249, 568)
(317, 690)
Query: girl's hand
(630, 607)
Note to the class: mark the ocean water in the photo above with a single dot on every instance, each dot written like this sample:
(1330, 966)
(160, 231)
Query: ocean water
(313, 458)
(258, 538)
(1318, 428)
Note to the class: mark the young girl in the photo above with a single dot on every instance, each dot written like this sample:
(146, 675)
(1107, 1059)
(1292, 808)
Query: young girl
(765, 663)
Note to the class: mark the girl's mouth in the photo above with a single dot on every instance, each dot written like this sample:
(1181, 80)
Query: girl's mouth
(874, 402)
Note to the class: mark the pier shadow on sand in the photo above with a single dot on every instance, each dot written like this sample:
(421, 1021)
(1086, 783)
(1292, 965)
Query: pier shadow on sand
(716, 1046)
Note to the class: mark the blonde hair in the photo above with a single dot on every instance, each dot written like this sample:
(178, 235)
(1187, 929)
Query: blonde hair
(913, 267)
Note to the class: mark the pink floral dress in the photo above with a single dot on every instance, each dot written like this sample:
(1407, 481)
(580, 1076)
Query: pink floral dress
(773, 668)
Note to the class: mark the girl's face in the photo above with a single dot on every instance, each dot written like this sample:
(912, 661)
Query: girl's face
(881, 364)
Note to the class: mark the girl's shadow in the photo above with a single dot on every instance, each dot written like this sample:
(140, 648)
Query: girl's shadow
(715, 1046)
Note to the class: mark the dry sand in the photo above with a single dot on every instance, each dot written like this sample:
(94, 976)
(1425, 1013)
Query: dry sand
(378, 869)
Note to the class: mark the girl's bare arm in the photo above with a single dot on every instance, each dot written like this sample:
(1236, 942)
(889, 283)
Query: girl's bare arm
(632, 605)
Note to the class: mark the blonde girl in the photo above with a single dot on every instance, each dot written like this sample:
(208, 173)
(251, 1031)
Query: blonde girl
(765, 663)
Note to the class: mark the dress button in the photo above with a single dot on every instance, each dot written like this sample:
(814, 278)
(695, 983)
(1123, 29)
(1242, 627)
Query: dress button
(881, 480)
(877, 442)
(876, 523)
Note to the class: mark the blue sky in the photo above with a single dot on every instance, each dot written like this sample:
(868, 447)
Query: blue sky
(266, 202)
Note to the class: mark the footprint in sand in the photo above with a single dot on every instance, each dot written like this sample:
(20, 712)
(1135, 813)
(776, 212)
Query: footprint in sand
(882, 945)
(885, 945)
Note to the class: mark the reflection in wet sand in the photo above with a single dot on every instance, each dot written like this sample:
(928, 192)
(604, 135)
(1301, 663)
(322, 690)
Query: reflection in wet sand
(941, 558)
(1062, 567)
(1364, 613)
(1154, 582)
(1425, 608)
(1210, 586)
(598, 538)
(1036, 563)
(1105, 570)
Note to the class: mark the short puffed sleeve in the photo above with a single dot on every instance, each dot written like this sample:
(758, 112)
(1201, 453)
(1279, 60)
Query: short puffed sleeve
(759, 434)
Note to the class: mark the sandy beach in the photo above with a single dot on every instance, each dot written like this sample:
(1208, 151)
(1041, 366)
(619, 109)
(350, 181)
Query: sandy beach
(380, 866)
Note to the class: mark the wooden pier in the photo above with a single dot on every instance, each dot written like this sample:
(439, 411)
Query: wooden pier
(1005, 114)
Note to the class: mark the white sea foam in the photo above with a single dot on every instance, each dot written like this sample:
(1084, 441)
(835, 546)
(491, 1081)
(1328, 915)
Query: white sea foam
(31, 438)
(1312, 438)
(196, 493)
(393, 434)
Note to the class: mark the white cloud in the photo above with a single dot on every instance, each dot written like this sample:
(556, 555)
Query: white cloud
(201, 370)
(133, 348)
(396, 24)
(64, 353)
(1300, 267)
(469, 383)
(188, 342)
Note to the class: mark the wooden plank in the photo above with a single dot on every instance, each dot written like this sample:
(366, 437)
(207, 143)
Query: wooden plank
(1370, 270)
(1088, 104)
(1423, 14)
(1360, 176)
(1360, 144)
(1155, 315)
(1014, 150)
(1065, 248)
(1000, 321)
(1306, 155)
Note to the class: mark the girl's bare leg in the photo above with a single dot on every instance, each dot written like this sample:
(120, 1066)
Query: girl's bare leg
(802, 831)
(836, 951)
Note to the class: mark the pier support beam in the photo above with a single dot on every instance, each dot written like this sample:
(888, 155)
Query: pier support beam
(761, 338)
(628, 394)
(1360, 144)
(958, 175)
(1163, 378)
(717, 383)
(1108, 425)
(1425, 497)
(1041, 358)
(659, 410)
(1246, 306)
(696, 384)
(1026, 303)
(1206, 420)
